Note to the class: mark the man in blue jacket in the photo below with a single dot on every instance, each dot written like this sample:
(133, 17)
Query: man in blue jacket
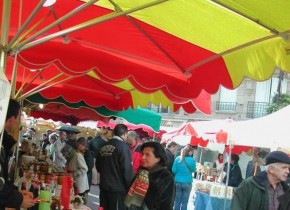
(114, 163)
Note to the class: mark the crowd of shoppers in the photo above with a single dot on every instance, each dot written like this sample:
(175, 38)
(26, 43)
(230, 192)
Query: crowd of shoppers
(138, 175)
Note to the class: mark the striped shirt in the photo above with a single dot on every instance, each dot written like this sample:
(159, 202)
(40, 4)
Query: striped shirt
(273, 195)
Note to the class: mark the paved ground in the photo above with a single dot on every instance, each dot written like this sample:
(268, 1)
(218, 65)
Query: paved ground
(93, 199)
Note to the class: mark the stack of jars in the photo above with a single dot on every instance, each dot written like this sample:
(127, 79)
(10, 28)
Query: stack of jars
(43, 170)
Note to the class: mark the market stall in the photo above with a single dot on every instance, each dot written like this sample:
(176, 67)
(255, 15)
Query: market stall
(210, 187)
(142, 129)
(211, 195)
(270, 131)
(203, 201)
(52, 187)
(213, 135)
(202, 133)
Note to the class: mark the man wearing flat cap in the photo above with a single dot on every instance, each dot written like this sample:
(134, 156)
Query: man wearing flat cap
(268, 189)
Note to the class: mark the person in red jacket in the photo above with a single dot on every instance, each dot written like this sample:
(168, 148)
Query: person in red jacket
(135, 143)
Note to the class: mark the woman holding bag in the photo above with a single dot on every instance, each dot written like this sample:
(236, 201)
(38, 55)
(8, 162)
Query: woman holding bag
(183, 167)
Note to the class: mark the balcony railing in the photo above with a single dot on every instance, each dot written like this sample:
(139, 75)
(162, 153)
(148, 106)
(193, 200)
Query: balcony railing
(158, 109)
(257, 109)
(226, 106)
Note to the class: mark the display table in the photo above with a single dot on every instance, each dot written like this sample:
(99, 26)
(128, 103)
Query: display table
(204, 201)
(210, 195)
(213, 189)
(83, 207)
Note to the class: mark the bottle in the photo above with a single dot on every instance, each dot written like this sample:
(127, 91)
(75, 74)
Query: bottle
(29, 177)
(31, 168)
(23, 182)
(53, 186)
(36, 186)
(49, 168)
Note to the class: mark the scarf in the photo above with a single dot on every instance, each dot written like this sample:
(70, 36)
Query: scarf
(138, 189)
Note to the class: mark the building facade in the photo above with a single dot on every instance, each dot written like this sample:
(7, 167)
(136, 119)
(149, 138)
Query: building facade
(250, 100)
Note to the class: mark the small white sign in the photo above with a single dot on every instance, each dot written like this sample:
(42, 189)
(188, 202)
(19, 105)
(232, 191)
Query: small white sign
(5, 90)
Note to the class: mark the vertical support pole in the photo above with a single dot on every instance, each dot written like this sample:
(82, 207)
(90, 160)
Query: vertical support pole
(6, 9)
(228, 173)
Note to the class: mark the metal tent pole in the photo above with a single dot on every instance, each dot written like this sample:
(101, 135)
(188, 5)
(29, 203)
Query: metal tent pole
(86, 24)
(57, 22)
(4, 32)
(3, 42)
(228, 175)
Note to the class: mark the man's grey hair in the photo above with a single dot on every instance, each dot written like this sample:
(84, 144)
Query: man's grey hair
(272, 165)
(134, 135)
(53, 136)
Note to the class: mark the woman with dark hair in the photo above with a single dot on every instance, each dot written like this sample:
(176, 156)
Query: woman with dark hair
(153, 185)
(218, 164)
(235, 176)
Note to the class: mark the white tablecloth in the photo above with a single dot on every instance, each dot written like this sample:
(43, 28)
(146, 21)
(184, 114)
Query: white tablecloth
(213, 189)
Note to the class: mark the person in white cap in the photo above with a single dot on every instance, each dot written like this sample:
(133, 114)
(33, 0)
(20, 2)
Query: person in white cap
(268, 189)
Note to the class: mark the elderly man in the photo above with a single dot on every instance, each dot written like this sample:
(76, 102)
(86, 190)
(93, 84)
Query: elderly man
(58, 159)
(135, 143)
(268, 189)
(170, 150)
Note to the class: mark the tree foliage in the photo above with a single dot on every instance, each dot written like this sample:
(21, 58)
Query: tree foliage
(278, 102)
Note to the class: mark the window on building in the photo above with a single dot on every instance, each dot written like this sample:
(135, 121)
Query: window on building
(265, 92)
(158, 109)
(228, 100)
(274, 87)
